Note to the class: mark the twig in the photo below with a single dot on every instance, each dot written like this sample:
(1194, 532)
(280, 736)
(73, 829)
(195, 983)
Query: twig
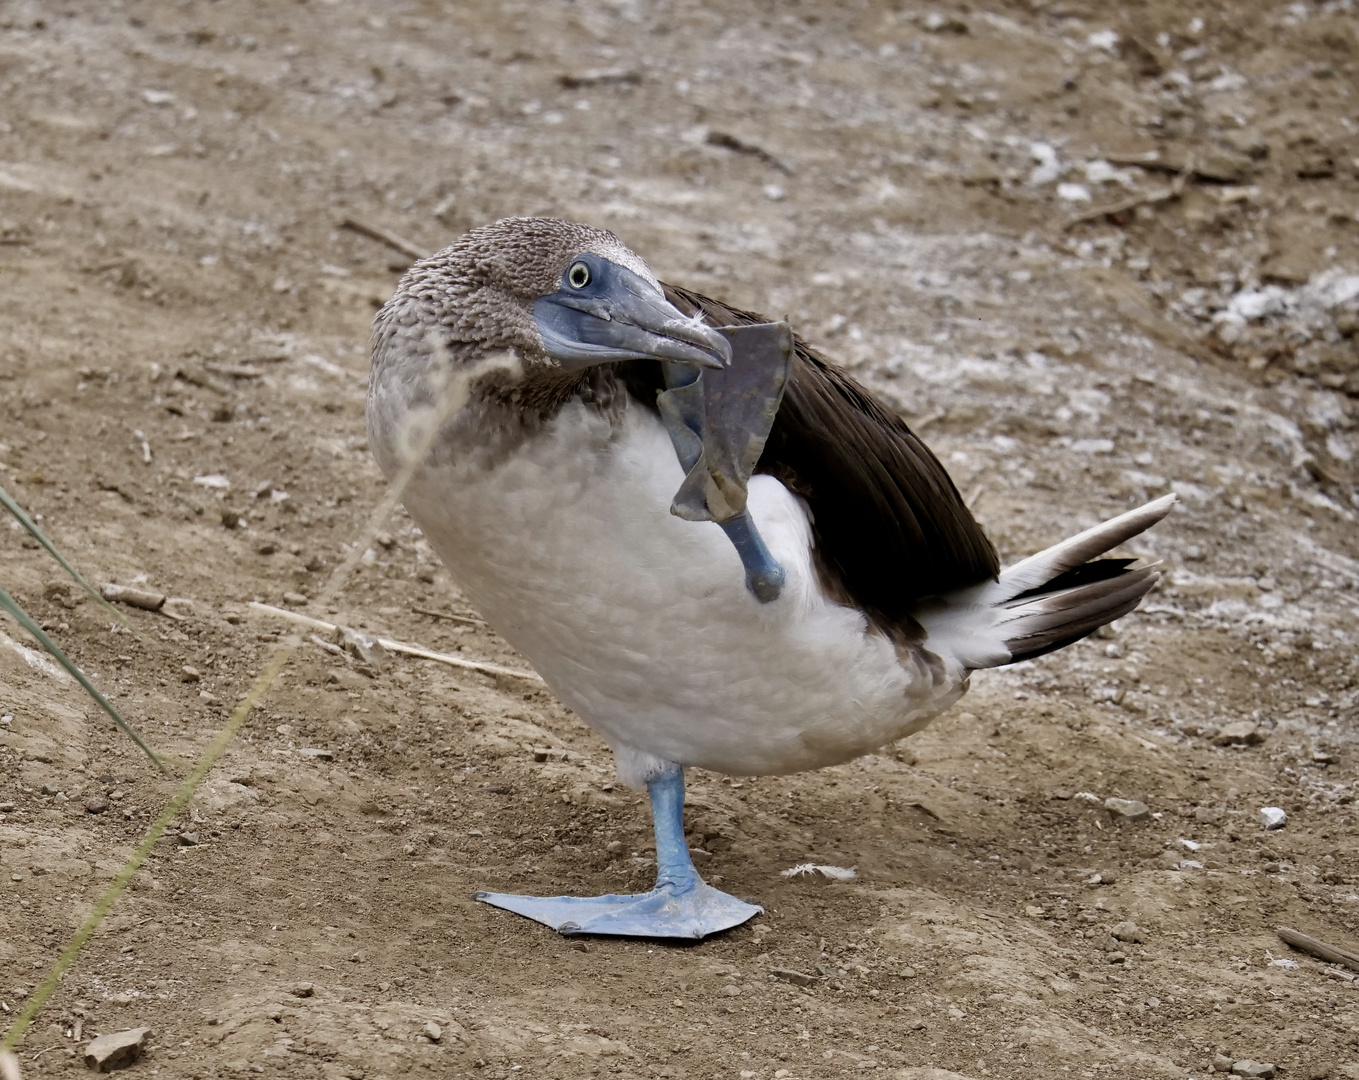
(446, 615)
(329, 646)
(728, 141)
(391, 239)
(397, 646)
(1313, 947)
(1175, 190)
(47, 1050)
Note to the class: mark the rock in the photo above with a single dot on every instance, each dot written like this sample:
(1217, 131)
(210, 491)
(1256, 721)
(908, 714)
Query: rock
(1240, 733)
(317, 752)
(140, 598)
(190, 674)
(1272, 817)
(121, 1048)
(433, 1031)
(295, 599)
(303, 990)
(188, 839)
(364, 647)
(1127, 809)
(1205, 815)
(96, 804)
(797, 978)
(8, 808)
(1128, 931)
(1252, 1068)
(731, 990)
(907, 973)
(1222, 1063)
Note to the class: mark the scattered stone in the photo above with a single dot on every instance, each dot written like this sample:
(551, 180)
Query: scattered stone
(8, 808)
(1240, 733)
(1205, 815)
(230, 518)
(434, 1032)
(1127, 809)
(797, 978)
(294, 599)
(1259, 1069)
(190, 674)
(267, 547)
(188, 839)
(50, 788)
(907, 973)
(1222, 1063)
(303, 990)
(1060, 794)
(138, 598)
(96, 804)
(116, 1050)
(1273, 817)
(577, 80)
(316, 752)
(1128, 931)
(364, 647)
(1118, 958)
(731, 990)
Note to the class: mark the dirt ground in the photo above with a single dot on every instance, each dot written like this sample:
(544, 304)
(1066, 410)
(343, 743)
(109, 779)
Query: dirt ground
(922, 190)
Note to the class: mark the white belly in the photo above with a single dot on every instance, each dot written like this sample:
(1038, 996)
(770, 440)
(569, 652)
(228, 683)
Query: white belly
(641, 622)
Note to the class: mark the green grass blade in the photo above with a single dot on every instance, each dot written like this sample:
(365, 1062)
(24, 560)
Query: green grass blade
(9, 604)
(7, 501)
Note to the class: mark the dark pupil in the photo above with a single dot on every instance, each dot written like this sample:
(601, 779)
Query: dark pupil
(580, 276)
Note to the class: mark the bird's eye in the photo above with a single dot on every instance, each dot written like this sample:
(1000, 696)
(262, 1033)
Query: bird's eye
(578, 276)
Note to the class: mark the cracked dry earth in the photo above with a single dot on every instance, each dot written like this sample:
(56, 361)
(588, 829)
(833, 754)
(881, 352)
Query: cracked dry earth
(923, 191)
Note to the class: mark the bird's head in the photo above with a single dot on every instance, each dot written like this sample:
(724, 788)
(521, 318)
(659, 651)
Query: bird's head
(558, 293)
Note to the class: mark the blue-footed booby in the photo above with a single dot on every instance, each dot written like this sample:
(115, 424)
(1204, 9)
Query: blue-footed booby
(715, 546)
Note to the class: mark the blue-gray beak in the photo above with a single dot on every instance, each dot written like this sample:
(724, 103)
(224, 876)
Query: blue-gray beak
(605, 313)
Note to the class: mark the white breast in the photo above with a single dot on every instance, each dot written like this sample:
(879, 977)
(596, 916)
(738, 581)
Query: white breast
(641, 622)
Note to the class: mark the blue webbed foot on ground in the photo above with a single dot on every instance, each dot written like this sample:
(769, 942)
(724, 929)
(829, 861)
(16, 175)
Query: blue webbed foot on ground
(664, 912)
(681, 905)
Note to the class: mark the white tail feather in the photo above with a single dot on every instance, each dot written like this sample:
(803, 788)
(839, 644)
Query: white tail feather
(986, 626)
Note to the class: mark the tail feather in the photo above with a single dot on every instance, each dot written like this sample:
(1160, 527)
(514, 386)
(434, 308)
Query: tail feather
(1048, 600)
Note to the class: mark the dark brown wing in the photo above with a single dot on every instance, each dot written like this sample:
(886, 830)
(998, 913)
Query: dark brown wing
(889, 526)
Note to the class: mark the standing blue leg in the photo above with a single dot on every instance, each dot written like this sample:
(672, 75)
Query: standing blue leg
(680, 906)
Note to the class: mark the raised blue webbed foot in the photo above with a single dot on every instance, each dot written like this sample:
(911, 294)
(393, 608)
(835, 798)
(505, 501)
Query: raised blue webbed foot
(681, 905)
(664, 912)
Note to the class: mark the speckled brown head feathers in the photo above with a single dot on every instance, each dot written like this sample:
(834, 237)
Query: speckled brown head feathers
(479, 291)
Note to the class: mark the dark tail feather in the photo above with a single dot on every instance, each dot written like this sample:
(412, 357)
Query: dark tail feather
(1069, 608)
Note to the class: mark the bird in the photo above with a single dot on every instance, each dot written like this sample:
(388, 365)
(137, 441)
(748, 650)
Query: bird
(713, 544)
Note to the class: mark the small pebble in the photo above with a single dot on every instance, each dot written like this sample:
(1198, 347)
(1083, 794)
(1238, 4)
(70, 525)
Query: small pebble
(1272, 817)
(1257, 1069)
(433, 1031)
(190, 674)
(1128, 931)
(8, 808)
(96, 804)
(303, 990)
(731, 990)
(1240, 733)
(117, 1049)
(1127, 809)
(188, 839)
